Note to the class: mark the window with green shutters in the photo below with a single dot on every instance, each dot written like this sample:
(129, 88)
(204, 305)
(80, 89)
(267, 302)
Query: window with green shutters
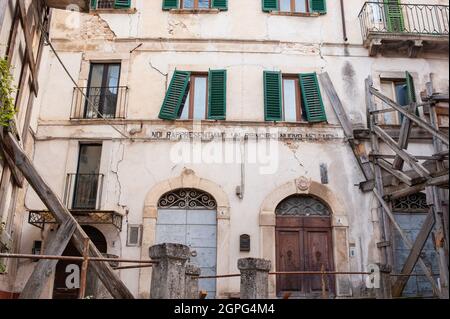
(217, 94)
(170, 4)
(270, 5)
(272, 96)
(295, 6)
(293, 98)
(318, 6)
(221, 5)
(410, 88)
(394, 16)
(312, 98)
(175, 96)
(196, 96)
(110, 4)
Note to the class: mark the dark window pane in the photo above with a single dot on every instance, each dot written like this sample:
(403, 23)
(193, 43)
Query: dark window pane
(290, 100)
(285, 5)
(200, 98)
(188, 4)
(87, 178)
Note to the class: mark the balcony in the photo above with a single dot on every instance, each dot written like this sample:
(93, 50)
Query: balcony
(406, 29)
(99, 103)
(83, 197)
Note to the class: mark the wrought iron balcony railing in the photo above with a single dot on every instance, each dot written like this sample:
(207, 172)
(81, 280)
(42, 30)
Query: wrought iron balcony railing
(83, 191)
(404, 19)
(105, 4)
(99, 102)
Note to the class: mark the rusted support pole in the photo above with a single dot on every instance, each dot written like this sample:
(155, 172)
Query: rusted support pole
(84, 269)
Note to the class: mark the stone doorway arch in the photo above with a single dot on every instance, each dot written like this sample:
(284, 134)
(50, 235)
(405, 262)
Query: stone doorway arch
(187, 179)
(339, 223)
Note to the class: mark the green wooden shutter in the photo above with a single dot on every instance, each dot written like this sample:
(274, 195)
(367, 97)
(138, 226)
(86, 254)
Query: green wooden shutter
(270, 5)
(93, 4)
(175, 95)
(410, 88)
(170, 4)
(220, 4)
(394, 16)
(272, 96)
(312, 98)
(217, 94)
(318, 6)
(122, 4)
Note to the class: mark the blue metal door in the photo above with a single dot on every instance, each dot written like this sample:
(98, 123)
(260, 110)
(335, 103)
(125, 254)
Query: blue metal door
(198, 230)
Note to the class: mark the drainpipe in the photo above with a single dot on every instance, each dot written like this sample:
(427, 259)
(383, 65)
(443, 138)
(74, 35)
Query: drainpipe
(344, 27)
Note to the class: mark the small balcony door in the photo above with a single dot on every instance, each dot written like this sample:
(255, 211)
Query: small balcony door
(102, 91)
(87, 178)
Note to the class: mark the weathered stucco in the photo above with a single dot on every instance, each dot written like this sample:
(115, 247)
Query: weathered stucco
(151, 44)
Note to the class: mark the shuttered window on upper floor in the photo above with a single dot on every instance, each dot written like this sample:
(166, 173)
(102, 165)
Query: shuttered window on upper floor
(295, 6)
(110, 4)
(221, 5)
(196, 96)
(293, 98)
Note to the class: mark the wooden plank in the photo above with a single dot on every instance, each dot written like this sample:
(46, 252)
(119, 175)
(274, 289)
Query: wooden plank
(28, 45)
(417, 134)
(435, 132)
(414, 254)
(406, 240)
(436, 157)
(84, 269)
(413, 162)
(337, 104)
(405, 191)
(45, 267)
(397, 173)
(358, 148)
(17, 175)
(388, 179)
(103, 270)
(403, 140)
(386, 255)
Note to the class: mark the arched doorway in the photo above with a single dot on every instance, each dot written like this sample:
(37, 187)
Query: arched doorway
(411, 212)
(303, 235)
(60, 290)
(188, 216)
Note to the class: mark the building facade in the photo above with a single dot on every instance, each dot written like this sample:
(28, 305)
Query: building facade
(205, 123)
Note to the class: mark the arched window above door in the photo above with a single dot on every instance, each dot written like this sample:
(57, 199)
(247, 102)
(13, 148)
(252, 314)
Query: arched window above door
(411, 203)
(303, 206)
(187, 198)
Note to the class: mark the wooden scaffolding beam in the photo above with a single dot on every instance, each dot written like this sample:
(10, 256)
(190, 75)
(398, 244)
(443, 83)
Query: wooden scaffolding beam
(432, 175)
(41, 273)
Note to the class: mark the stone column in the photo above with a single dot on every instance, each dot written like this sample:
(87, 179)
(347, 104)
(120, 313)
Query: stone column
(192, 274)
(169, 274)
(254, 278)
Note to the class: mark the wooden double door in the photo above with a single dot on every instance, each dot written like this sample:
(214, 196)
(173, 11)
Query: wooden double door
(304, 244)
